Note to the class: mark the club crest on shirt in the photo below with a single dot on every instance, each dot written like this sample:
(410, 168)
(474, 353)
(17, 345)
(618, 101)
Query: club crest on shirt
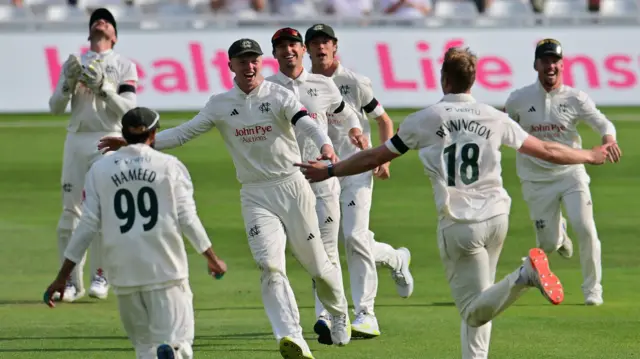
(265, 107)
(344, 89)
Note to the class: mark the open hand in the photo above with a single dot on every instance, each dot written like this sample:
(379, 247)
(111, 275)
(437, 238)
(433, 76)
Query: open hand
(111, 143)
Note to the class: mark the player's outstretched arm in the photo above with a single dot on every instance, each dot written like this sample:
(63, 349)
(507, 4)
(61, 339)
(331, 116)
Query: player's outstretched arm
(590, 114)
(360, 162)
(190, 223)
(560, 154)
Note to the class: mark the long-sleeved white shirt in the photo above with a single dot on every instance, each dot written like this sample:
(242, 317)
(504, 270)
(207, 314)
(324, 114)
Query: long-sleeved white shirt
(458, 141)
(142, 202)
(91, 112)
(257, 129)
(321, 97)
(357, 92)
(553, 116)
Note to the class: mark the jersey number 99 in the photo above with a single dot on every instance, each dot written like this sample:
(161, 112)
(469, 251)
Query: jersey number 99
(147, 208)
(468, 169)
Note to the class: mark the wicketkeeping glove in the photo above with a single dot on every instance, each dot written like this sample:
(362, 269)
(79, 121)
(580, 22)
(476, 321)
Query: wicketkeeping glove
(71, 70)
(92, 75)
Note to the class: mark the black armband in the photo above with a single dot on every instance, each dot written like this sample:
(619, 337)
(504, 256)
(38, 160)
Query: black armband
(126, 88)
(298, 116)
(370, 106)
(340, 108)
(396, 141)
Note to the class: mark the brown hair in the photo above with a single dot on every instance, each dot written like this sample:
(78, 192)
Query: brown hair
(459, 69)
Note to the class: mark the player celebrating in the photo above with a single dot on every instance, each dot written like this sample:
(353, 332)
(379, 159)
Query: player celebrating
(320, 96)
(363, 252)
(551, 111)
(256, 120)
(459, 142)
(101, 86)
(142, 201)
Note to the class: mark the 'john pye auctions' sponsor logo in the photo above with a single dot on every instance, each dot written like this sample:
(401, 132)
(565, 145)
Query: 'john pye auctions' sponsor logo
(254, 133)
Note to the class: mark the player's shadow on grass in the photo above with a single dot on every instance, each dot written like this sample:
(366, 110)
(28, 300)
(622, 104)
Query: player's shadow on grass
(57, 350)
(408, 305)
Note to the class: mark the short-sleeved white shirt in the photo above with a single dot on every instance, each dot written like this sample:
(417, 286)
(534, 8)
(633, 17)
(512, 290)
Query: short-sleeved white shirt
(458, 141)
(553, 116)
(357, 92)
(89, 112)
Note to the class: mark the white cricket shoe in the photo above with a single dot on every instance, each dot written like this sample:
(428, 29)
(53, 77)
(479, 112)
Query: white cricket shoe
(536, 273)
(593, 299)
(323, 329)
(365, 326)
(402, 276)
(566, 249)
(340, 329)
(71, 293)
(291, 348)
(165, 351)
(99, 287)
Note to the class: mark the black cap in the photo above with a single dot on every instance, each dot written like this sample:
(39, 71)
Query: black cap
(103, 14)
(286, 33)
(548, 47)
(319, 30)
(140, 117)
(244, 46)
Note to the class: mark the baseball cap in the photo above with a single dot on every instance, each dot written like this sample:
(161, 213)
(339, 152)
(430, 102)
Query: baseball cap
(140, 117)
(319, 30)
(548, 47)
(103, 14)
(286, 33)
(244, 46)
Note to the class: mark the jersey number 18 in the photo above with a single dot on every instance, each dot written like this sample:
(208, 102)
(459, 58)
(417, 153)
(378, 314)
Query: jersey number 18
(147, 209)
(468, 166)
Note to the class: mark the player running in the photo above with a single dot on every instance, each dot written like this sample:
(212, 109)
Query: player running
(142, 202)
(321, 97)
(551, 111)
(363, 252)
(101, 86)
(459, 141)
(256, 120)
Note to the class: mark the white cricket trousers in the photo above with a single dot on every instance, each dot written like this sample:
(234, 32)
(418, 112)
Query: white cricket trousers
(544, 199)
(274, 212)
(327, 195)
(162, 316)
(80, 152)
(470, 252)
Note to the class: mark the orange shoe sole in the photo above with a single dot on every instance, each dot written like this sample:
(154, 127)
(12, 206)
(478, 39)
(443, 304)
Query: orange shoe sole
(551, 286)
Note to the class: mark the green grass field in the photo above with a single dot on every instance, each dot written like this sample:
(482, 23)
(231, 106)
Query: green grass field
(230, 320)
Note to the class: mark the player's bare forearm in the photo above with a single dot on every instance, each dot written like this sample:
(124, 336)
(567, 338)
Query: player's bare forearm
(385, 127)
(65, 271)
(363, 161)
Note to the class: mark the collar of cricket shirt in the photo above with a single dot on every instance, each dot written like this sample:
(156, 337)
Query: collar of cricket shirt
(238, 91)
(458, 97)
(287, 80)
(99, 54)
(550, 93)
(338, 70)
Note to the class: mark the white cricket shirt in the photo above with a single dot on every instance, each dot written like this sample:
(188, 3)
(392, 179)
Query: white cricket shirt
(553, 116)
(357, 91)
(142, 201)
(89, 113)
(257, 129)
(458, 141)
(321, 97)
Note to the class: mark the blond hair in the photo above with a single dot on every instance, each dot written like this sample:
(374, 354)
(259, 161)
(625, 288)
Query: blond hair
(459, 69)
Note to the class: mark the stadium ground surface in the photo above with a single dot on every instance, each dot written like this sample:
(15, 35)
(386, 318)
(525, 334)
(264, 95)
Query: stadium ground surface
(230, 320)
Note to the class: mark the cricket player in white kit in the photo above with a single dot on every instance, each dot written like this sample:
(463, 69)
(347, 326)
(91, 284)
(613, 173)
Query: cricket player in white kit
(142, 201)
(551, 111)
(256, 120)
(363, 252)
(459, 141)
(321, 97)
(101, 86)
